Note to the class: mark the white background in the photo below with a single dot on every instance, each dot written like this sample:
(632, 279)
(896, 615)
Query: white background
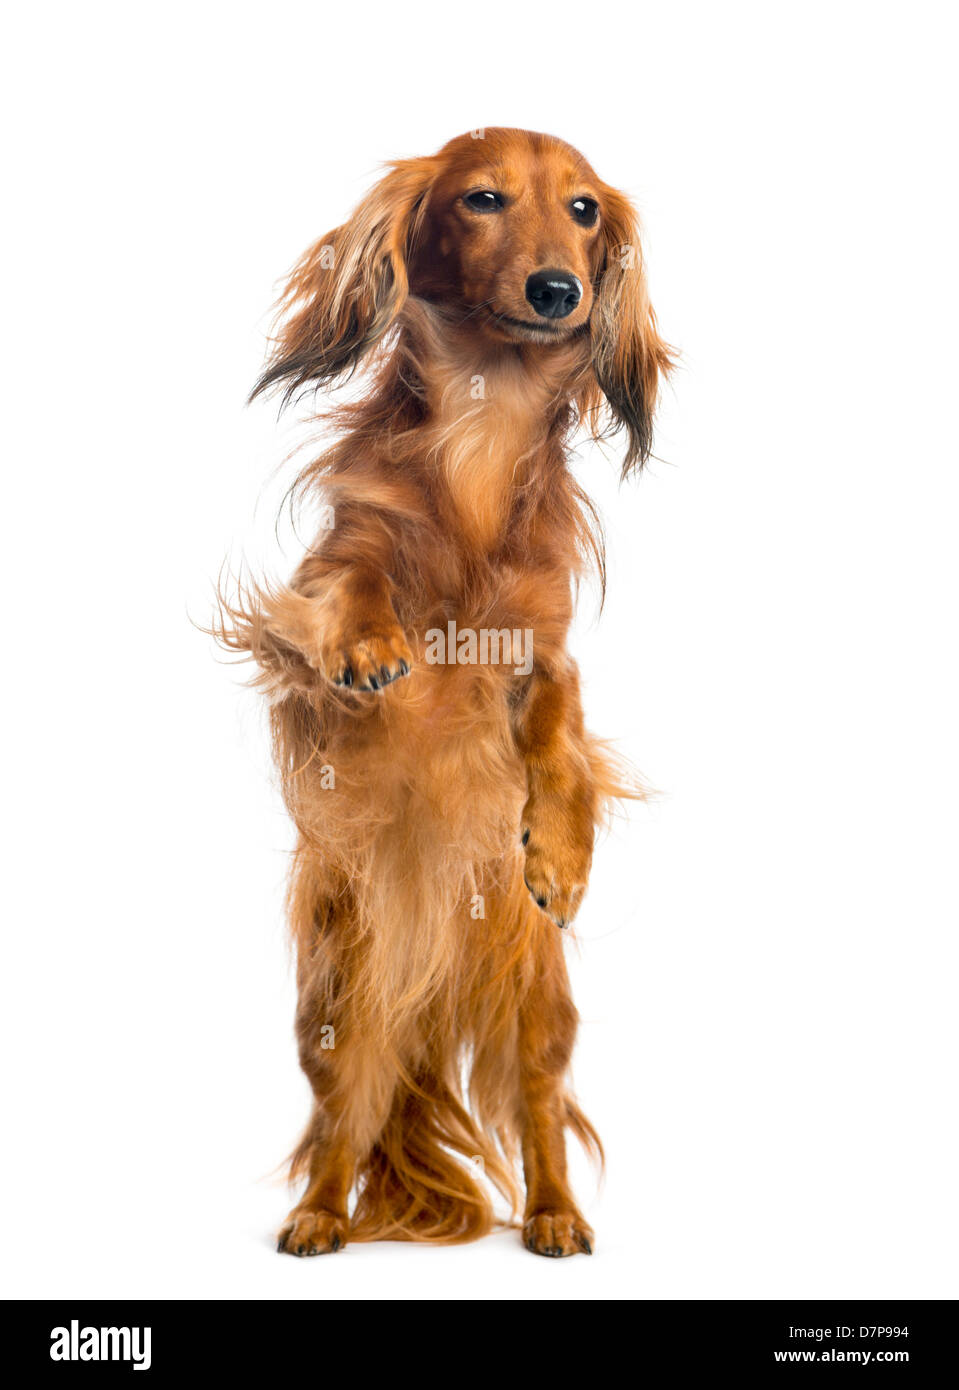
(767, 969)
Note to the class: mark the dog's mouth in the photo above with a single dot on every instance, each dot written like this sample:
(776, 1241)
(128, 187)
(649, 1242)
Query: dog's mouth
(532, 331)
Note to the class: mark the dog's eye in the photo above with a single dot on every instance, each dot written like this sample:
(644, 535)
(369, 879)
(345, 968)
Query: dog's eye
(585, 211)
(483, 200)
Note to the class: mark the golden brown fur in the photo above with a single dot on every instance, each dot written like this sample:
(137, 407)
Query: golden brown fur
(425, 794)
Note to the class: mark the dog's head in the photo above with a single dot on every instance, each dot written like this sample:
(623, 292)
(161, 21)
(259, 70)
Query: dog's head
(510, 234)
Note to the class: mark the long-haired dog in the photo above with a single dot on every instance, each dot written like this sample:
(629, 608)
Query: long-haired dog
(425, 713)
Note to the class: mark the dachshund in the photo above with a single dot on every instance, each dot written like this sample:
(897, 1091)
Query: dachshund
(426, 716)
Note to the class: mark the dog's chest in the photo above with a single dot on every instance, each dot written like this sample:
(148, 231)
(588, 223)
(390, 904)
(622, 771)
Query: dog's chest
(481, 435)
(493, 612)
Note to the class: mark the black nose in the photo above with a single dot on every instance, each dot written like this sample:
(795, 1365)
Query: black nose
(553, 293)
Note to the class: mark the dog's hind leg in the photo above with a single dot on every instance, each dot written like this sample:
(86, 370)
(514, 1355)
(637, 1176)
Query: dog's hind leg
(552, 1222)
(353, 1085)
(319, 1223)
(353, 1079)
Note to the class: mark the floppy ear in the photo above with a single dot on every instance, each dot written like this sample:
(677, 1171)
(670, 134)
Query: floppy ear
(628, 355)
(347, 289)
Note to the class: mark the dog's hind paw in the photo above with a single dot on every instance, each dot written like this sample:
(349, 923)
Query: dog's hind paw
(312, 1233)
(558, 1233)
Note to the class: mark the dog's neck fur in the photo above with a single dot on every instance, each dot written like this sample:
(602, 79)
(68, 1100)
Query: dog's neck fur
(491, 408)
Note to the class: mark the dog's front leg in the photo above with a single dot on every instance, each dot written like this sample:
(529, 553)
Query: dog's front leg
(343, 621)
(560, 811)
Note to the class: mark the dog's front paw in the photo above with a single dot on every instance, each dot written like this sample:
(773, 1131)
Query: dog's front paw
(370, 662)
(558, 1233)
(312, 1233)
(559, 850)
